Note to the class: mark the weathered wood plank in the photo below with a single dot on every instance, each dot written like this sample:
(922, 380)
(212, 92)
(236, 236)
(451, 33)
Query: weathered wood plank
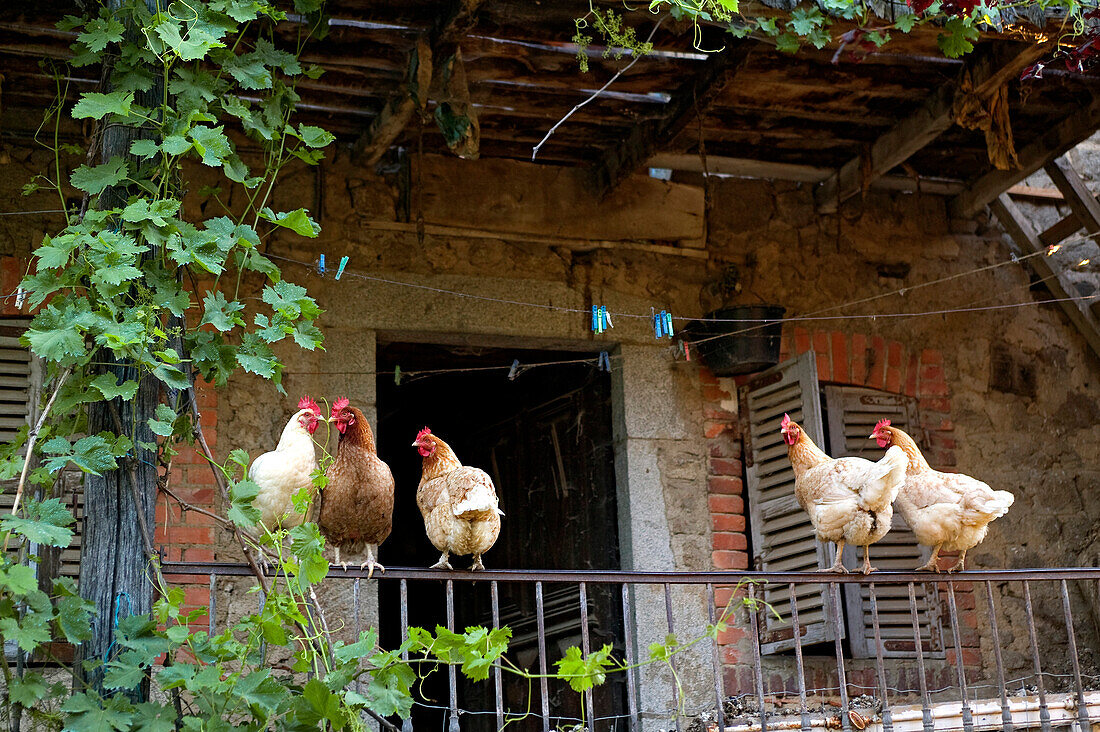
(988, 72)
(1025, 237)
(548, 201)
(1056, 141)
(1076, 193)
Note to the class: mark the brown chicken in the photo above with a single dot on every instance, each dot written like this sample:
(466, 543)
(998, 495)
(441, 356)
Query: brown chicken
(946, 511)
(357, 503)
(458, 503)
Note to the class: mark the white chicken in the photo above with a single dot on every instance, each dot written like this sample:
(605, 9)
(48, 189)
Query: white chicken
(947, 511)
(287, 469)
(848, 499)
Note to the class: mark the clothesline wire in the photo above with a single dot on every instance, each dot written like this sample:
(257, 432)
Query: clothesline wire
(763, 321)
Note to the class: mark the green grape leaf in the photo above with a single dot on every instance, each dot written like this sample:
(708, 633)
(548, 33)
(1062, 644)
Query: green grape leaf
(96, 105)
(108, 386)
(99, 32)
(297, 221)
(46, 523)
(241, 510)
(93, 180)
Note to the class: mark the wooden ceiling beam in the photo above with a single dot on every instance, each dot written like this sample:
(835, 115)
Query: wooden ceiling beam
(442, 40)
(1017, 226)
(690, 100)
(1053, 143)
(988, 71)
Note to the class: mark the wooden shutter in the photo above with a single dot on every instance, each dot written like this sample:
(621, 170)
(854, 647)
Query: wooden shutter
(782, 536)
(851, 414)
(20, 385)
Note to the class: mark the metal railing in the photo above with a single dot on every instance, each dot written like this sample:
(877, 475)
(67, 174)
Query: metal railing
(1026, 702)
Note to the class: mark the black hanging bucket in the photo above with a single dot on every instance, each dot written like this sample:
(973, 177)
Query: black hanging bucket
(744, 353)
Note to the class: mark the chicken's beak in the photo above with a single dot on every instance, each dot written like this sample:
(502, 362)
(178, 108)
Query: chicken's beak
(416, 444)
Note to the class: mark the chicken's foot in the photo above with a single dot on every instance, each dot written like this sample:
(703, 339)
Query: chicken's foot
(442, 563)
(932, 565)
(477, 563)
(343, 564)
(371, 564)
(838, 565)
(867, 568)
(959, 565)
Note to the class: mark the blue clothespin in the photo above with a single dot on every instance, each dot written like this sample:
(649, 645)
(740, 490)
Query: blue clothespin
(321, 265)
(606, 318)
(659, 324)
(397, 375)
(340, 269)
(668, 324)
(605, 362)
(601, 319)
(595, 319)
(512, 372)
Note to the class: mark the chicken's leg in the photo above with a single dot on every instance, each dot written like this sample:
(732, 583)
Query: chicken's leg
(932, 564)
(371, 564)
(477, 563)
(838, 565)
(961, 564)
(442, 563)
(867, 568)
(342, 564)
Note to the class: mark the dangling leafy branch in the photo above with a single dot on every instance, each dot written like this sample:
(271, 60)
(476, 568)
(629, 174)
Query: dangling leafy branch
(960, 22)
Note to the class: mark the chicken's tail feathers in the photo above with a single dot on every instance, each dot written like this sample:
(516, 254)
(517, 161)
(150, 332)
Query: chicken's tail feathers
(886, 480)
(480, 498)
(998, 504)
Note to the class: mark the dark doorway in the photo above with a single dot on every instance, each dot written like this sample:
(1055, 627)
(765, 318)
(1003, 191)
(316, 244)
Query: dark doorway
(546, 439)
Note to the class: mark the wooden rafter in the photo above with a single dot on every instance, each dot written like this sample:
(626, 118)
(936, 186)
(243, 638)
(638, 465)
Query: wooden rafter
(988, 72)
(1076, 193)
(1056, 141)
(1025, 237)
(691, 99)
(442, 40)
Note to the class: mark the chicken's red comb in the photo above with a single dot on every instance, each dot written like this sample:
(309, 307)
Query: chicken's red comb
(308, 403)
(785, 422)
(339, 405)
(882, 423)
(422, 434)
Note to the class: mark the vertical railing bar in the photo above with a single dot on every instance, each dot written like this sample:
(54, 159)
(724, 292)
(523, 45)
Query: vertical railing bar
(1006, 713)
(838, 646)
(925, 699)
(803, 710)
(494, 597)
(952, 608)
(589, 707)
(757, 662)
(452, 672)
(716, 659)
(542, 658)
(671, 631)
(629, 639)
(1044, 710)
(406, 724)
(1082, 709)
(357, 621)
(880, 667)
(211, 603)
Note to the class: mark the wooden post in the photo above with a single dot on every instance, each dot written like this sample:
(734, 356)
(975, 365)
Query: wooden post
(114, 569)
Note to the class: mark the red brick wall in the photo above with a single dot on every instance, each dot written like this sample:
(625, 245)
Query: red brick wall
(188, 536)
(842, 358)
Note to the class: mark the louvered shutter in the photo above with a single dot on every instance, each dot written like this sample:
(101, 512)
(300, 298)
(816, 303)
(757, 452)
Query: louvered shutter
(20, 384)
(852, 413)
(782, 535)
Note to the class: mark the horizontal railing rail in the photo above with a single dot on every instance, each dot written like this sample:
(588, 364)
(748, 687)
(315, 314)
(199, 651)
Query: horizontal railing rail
(615, 576)
(962, 705)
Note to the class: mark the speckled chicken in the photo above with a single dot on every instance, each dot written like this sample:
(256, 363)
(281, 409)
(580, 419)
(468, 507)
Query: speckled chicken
(288, 469)
(357, 503)
(947, 511)
(848, 499)
(459, 503)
